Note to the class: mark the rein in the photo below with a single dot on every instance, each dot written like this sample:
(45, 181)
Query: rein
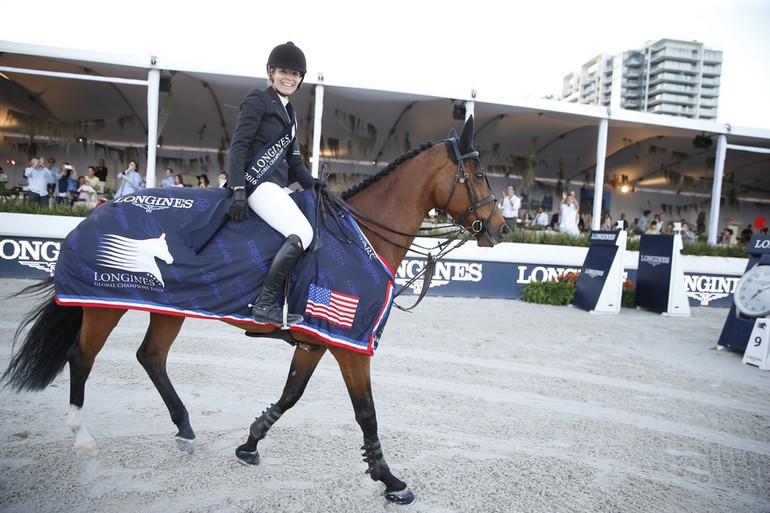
(339, 206)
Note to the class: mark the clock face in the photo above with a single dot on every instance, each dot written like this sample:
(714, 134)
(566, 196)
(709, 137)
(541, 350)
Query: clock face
(752, 294)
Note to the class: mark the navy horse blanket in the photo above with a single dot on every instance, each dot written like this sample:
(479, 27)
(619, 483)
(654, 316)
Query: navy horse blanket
(174, 251)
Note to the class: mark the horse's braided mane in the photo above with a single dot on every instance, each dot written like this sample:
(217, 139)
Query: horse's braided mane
(390, 167)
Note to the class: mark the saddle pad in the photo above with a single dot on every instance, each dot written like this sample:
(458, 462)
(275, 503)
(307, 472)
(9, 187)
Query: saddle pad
(133, 252)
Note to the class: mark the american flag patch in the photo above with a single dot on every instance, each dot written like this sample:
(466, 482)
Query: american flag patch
(335, 307)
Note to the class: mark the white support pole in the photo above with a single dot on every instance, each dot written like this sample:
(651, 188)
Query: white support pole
(716, 189)
(318, 112)
(153, 100)
(601, 155)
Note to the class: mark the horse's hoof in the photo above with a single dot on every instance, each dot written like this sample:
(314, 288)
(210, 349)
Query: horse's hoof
(86, 449)
(404, 496)
(185, 445)
(247, 457)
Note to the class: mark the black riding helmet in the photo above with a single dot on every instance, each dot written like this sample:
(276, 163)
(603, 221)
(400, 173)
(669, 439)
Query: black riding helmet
(288, 56)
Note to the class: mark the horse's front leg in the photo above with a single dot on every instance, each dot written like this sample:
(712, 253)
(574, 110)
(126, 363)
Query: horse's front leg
(95, 327)
(356, 373)
(152, 354)
(303, 364)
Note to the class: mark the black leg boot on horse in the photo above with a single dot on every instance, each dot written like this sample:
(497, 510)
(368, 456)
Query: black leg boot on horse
(266, 309)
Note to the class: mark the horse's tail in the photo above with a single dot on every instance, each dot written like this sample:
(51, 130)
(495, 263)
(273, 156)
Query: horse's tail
(53, 329)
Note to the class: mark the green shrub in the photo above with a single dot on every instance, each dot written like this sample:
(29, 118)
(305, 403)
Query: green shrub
(558, 292)
(27, 207)
(546, 237)
(628, 297)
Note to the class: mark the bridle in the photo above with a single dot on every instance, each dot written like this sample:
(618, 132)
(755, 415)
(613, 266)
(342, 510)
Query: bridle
(477, 227)
(463, 177)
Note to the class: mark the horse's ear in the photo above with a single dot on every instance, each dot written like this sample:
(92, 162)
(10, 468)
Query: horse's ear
(466, 138)
(452, 134)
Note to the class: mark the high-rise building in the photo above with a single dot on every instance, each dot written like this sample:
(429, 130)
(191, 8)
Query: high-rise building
(677, 78)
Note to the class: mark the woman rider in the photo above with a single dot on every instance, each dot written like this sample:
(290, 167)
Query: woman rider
(263, 159)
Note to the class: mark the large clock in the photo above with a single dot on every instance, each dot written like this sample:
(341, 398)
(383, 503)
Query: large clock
(752, 294)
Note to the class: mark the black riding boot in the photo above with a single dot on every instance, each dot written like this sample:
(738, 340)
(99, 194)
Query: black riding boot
(266, 308)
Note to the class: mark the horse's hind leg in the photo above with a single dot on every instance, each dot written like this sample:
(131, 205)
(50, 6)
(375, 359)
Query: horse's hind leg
(152, 354)
(303, 364)
(355, 369)
(96, 326)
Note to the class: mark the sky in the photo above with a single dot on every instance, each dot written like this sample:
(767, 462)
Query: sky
(502, 50)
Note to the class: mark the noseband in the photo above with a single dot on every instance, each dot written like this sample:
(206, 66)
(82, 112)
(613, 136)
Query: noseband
(463, 177)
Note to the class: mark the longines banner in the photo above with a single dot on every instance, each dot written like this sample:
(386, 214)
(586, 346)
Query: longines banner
(654, 274)
(596, 269)
(22, 257)
(28, 258)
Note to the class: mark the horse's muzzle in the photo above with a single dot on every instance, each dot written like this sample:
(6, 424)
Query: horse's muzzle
(488, 238)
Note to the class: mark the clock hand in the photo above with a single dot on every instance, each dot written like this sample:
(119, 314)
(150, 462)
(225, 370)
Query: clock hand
(758, 292)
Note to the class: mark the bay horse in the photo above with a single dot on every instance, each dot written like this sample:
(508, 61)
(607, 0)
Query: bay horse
(389, 207)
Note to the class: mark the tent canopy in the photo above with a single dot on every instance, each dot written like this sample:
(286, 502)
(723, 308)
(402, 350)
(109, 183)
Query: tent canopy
(363, 129)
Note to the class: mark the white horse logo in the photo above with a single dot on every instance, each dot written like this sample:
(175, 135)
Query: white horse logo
(133, 255)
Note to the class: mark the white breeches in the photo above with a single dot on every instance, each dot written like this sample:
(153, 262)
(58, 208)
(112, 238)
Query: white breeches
(273, 204)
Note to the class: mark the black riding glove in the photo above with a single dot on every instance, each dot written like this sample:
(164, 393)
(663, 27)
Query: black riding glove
(239, 208)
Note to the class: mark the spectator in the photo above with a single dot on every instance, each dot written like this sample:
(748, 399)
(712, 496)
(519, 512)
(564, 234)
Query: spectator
(38, 176)
(509, 206)
(101, 173)
(569, 214)
(688, 236)
(746, 235)
(644, 221)
(130, 180)
(52, 178)
(623, 222)
(92, 179)
(727, 238)
(606, 224)
(85, 193)
(65, 184)
(541, 218)
(659, 218)
(168, 178)
(3, 180)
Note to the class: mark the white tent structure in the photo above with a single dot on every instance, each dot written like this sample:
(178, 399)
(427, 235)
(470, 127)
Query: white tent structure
(95, 105)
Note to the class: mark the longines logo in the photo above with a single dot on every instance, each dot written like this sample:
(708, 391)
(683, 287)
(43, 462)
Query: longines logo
(444, 273)
(542, 273)
(655, 260)
(151, 203)
(37, 254)
(706, 289)
(136, 259)
(594, 273)
(604, 236)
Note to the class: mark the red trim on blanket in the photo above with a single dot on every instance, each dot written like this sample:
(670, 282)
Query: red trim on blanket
(85, 304)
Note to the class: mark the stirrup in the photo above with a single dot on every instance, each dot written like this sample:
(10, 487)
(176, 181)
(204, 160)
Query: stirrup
(276, 315)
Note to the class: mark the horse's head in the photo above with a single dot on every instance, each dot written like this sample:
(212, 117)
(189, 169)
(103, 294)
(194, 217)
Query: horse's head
(469, 198)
